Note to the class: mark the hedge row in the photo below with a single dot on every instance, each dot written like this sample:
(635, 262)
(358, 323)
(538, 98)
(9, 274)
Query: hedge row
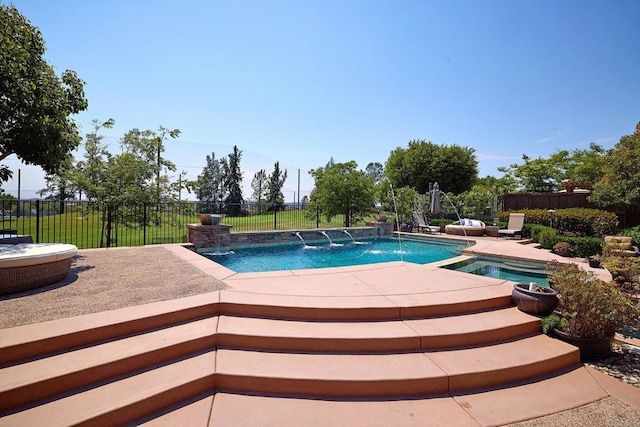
(572, 221)
(548, 237)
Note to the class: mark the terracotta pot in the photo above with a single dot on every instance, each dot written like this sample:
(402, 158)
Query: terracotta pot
(539, 302)
(590, 348)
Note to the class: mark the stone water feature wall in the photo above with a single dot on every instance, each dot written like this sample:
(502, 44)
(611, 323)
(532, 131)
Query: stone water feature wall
(219, 237)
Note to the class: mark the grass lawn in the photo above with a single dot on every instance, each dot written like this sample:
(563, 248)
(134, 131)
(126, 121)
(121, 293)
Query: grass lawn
(85, 228)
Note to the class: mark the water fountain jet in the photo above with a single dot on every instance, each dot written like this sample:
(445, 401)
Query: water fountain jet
(324, 233)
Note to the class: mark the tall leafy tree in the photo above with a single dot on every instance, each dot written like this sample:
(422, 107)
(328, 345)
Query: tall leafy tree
(35, 104)
(587, 165)
(620, 184)
(233, 183)
(122, 183)
(455, 168)
(340, 188)
(276, 183)
(209, 186)
(542, 175)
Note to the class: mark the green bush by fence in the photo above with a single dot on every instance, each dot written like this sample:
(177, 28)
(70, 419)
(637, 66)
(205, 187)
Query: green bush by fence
(577, 222)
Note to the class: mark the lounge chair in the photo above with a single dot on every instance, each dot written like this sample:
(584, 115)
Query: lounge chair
(420, 222)
(466, 227)
(514, 227)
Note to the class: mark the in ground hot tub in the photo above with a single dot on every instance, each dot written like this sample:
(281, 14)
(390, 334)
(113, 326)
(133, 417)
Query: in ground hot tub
(32, 265)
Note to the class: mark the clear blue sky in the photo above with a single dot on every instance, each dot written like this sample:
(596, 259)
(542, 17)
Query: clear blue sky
(303, 81)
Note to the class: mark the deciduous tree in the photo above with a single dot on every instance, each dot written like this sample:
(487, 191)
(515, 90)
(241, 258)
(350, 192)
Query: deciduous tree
(455, 168)
(340, 188)
(620, 184)
(35, 104)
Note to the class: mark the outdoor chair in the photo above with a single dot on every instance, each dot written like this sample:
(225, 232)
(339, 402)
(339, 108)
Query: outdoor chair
(514, 227)
(420, 222)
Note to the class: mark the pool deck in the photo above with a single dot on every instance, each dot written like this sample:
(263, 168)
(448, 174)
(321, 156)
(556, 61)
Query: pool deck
(385, 344)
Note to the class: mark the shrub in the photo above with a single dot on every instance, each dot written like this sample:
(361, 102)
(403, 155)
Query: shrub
(548, 238)
(590, 307)
(535, 230)
(624, 270)
(634, 233)
(572, 221)
(585, 246)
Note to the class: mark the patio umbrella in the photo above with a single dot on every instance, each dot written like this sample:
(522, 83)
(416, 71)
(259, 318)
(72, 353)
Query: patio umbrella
(434, 202)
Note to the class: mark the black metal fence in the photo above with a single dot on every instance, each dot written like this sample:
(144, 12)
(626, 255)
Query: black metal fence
(94, 225)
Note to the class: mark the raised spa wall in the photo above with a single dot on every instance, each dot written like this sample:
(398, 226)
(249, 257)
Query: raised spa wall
(219, 237)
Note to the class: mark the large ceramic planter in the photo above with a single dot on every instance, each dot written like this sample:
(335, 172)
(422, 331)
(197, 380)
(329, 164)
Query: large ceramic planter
(590, 348)
(540, 301)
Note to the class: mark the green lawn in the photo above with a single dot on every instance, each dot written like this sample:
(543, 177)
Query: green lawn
(85, 229)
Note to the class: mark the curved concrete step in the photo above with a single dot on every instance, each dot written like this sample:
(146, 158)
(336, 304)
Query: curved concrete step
(486, 408)
(33, 341)
(27, 382)
(36, 379)
(122, 400)
(313, 376)
(385, 375)
(382, 336)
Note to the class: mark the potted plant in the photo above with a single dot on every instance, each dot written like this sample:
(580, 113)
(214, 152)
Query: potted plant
(589, 311)
(534, 299)
(594, 261)
(563, 249)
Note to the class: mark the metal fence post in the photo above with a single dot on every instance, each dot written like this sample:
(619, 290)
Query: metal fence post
(275, 216)
(144, 224)
(317, 216)
(37, 221)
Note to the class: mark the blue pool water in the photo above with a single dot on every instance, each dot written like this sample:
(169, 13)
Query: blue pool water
(368, 252)
(516, 271)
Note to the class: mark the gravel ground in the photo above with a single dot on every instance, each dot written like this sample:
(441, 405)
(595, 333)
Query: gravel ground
(106, 279)
(623, 365)
(608, 412)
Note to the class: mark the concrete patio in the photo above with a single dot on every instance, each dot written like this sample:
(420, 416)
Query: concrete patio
(384, 344)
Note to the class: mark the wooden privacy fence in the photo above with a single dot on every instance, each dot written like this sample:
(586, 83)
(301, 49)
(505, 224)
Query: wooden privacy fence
(628, 217)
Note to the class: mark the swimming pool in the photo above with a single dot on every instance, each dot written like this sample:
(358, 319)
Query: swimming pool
(290, 257)
(514, 270)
